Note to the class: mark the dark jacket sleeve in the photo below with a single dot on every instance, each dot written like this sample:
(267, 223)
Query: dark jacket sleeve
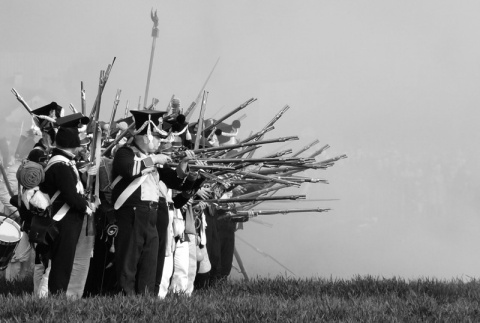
(124, 164)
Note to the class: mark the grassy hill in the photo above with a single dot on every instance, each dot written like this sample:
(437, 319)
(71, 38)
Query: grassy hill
(361, 299)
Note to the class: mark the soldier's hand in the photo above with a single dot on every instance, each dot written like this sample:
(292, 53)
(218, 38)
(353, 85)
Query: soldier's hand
(161, 159)
(204, 193)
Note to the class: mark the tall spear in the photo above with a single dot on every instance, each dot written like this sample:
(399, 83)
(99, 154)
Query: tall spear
(154, 38)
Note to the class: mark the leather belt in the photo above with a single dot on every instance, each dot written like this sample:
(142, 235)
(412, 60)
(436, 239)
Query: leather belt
(149, 204)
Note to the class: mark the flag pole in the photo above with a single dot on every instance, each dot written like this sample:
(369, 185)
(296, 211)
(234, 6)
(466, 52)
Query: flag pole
(154, 36)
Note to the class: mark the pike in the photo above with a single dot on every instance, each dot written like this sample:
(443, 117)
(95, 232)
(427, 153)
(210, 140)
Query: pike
(114, 110)
(241, 107)
(154, 18)
(306, 148)
(189, 111)
(200, 121)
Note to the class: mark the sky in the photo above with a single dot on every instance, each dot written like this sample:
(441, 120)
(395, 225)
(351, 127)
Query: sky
(392, 84)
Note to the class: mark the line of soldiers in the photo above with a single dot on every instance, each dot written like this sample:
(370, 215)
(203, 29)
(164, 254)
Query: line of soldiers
(164, 214)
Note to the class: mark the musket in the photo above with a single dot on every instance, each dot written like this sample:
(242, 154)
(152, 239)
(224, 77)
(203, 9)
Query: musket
(258, 134)
(241, 152)
(118, 138)
(282, 160)
(114, 110)
(277, 116)
(303, 179)
(97, 133)
(331, 160)
(318, 152)
(72, 107)
(262, 191)
(126, 110)
(252, 213)
(139, 107)
(255, 199)
(22, 101)
(83, 100)
(200, 121)
(306, 148)
(268, 178)
(208, 167)
(280, 154)
(189, 111)
(103, 81)
(247, 144)
(242, 106)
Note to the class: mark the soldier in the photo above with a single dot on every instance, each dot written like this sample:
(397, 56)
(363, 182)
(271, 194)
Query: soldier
(69, 209)
(136, 201)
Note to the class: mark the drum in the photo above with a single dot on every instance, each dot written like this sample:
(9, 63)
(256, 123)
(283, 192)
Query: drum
(10, 235)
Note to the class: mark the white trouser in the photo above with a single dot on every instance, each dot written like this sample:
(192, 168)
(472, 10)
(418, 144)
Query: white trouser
(192, 263)
(40, 280)
(81, 263)
(78, 277)
(179, 280)
(175, 271)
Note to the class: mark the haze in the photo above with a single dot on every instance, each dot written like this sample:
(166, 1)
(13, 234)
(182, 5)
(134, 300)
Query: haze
(392, 84)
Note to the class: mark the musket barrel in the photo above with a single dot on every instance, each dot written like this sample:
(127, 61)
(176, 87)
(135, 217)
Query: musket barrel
(242, 106)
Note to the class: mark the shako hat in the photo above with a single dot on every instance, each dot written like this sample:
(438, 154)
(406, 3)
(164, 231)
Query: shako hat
(75, 120)
(68, 135)
(47, 114)
(148, 122)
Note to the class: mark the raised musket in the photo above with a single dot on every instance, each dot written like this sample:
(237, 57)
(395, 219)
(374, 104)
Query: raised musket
(306, 148)
(83, 99)
(104, 75)
(114, 110)
(72, 107)
(241, 107)
(118, 138)
(247, 144)
(318, 152)
(277, 116)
